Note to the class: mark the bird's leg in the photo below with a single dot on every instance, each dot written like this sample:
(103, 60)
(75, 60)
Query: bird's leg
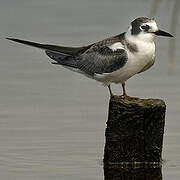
(124, 91)
(110, 92)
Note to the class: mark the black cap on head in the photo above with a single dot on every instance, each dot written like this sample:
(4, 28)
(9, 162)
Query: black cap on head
(137, 23)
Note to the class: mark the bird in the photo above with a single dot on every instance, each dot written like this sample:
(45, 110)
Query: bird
(112, 60)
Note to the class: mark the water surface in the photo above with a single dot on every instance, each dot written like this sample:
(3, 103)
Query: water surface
(52, 121)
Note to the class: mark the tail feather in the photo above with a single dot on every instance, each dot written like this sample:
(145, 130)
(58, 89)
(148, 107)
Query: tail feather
(60, 54)
(53, 48)
(62, 59)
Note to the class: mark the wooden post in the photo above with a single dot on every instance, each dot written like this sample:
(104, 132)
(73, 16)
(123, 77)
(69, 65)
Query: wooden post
(134, 133)
(135, 174)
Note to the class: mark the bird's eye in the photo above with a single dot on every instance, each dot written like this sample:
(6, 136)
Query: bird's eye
(145, 27)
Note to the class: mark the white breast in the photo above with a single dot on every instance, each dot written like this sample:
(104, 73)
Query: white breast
(144, 56)
(137, 61)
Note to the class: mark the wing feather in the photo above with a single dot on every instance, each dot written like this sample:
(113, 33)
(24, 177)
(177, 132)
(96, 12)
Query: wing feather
(99, 60)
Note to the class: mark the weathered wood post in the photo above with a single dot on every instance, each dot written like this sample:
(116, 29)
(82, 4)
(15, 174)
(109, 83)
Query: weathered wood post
(133, 174)
(134, 133)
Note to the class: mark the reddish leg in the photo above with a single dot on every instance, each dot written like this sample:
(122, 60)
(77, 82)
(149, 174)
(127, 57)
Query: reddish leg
(110, 92)
(124, 91)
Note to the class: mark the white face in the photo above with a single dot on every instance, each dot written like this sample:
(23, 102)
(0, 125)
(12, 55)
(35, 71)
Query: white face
(146, 31)
(152, 27)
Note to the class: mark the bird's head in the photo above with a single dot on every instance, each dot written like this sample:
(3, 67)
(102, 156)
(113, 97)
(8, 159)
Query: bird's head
(145, 29)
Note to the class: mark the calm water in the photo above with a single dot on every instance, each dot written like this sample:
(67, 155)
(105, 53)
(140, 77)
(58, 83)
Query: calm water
(52, 121)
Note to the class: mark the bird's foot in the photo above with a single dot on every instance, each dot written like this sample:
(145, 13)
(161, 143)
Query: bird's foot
(125, 96)
(121, 97)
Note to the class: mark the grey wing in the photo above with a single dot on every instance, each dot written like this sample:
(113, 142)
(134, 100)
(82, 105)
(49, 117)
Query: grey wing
(93, 59)
(62, 59)
(99, 60)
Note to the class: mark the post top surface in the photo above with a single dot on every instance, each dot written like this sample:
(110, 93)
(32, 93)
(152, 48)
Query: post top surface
(133, 101)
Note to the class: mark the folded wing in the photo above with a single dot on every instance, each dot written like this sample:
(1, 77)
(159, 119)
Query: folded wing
(99, 60)
(93, 59)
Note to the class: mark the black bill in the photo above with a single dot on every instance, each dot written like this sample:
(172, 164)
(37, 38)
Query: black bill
(163, 33)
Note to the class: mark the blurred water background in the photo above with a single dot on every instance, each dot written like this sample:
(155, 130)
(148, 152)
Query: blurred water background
(52, 120)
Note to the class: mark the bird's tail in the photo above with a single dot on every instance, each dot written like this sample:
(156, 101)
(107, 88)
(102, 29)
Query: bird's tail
(49, 47)
(60, 54)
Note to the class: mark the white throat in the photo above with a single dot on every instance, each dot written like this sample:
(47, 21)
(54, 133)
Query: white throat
(145, 48)
(143, 37)
(144, 42)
